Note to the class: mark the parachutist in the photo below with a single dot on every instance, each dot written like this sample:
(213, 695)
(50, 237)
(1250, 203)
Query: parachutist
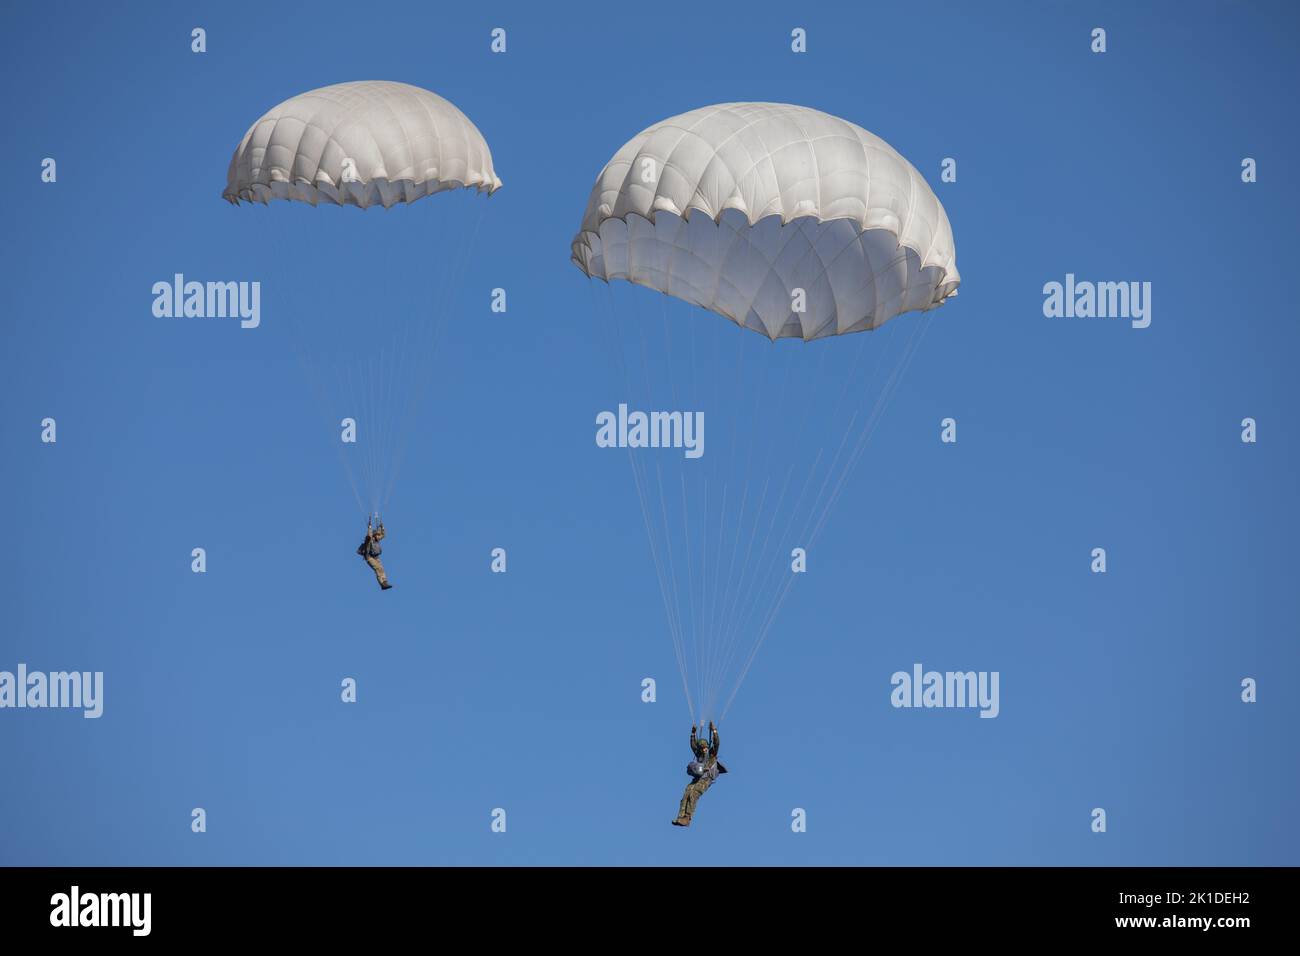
(371, 551)
(704, 769)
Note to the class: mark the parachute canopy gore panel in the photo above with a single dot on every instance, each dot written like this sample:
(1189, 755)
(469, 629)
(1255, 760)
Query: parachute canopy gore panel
(735, 207)
(371, 142)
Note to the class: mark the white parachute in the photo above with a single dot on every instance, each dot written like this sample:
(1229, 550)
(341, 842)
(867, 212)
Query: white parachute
(797, 225)
(733, 207)
(360, 143)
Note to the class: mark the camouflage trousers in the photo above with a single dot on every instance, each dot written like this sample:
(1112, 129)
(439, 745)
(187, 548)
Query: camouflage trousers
(378, 567)
(691, 796)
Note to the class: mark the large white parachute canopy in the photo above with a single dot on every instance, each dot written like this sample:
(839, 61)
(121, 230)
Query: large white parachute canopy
(359, 144)
(735, 207)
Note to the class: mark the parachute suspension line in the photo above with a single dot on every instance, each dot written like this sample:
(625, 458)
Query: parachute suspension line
(699, 494)
(426, 348)
(913, 346)
(383, 426)
(767, 565)
(704, 566)
(668, 545)
(710, 624)
(733, 606)
(725, 610)
(749, 574)
(659, 487)
(366, 430)
(370, 424)
(376, 434)
(838, 451)
(686, 527)
(774, 565)
(887, 391)
(766, 621)
(737, 604)
(313, 375)
(736, 610)
(402, 381)
(683, 403)
(761, 573)
(357, 412)
(391, 387)
(396, 360)
(713, 478)
(727, 636)
(814, 509)
(669, 610)
(690, 574)
(407, 381)
(724, 589)
(710, 637)
(818, 376)
(775, 568)
(724, 624)
(364, 423)
(387, 388)
(361, 413)
(723, 582)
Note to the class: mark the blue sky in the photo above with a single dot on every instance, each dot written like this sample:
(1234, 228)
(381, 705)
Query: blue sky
(522, 690)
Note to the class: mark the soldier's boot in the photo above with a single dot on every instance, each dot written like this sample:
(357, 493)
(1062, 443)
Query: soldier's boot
(683, 815)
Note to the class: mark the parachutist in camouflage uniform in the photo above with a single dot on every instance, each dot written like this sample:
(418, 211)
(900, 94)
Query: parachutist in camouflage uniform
(371, 551)
(704, 769)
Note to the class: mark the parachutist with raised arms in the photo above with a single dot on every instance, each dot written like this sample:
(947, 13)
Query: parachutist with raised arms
(704, 769)
(370, 551)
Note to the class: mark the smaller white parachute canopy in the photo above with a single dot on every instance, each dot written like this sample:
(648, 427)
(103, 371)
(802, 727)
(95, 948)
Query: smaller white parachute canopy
(360, 144)
(739, 206)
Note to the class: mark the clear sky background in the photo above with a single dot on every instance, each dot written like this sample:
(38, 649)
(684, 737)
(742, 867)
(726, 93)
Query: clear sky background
(522, 690)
